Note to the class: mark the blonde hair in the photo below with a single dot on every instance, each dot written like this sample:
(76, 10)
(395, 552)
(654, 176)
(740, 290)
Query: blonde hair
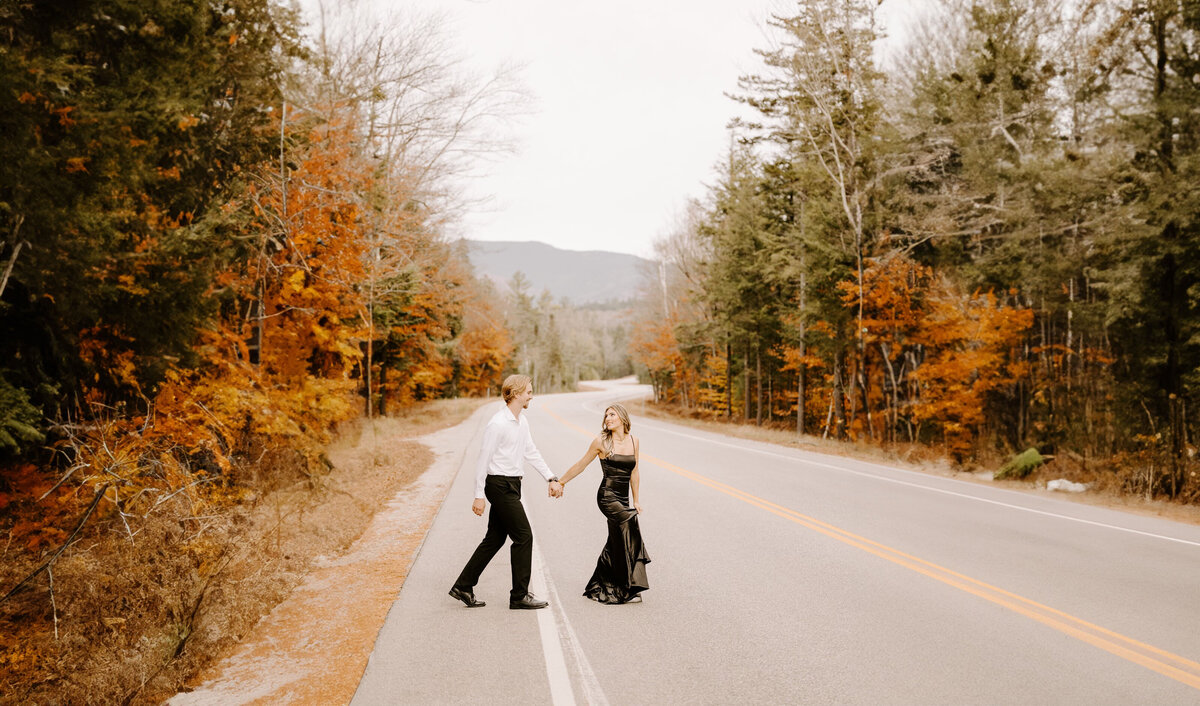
(514, 385)
(606, 433)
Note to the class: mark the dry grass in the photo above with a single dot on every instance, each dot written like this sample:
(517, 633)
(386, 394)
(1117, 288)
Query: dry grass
(1109, 486)
(137, 619)
(429, 417)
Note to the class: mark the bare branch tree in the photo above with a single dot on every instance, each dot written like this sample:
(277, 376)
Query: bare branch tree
(428, 123)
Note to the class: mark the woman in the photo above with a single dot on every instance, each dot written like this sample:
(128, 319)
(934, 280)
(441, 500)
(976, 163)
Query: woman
(621, 570)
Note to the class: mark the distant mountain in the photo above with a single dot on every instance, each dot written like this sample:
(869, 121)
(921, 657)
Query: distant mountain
(584, 277)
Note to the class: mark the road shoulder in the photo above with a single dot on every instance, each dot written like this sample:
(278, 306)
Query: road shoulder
(314, 646)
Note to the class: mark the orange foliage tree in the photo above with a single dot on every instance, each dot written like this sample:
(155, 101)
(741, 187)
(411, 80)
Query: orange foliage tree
(484, 347)
(893, 296)
(653, 345)
(713, 384)
(932, 362)
(937, 355)
(275, 369)
(274, 372)
(417, 317)
(792, 362)
(973, 343)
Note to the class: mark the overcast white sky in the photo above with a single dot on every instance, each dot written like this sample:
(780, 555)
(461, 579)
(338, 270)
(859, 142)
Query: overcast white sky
(628, 115)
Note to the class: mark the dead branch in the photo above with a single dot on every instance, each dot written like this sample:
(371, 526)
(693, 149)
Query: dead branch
(46, 565)
(12, 260)
(53, 605)
(62, 480)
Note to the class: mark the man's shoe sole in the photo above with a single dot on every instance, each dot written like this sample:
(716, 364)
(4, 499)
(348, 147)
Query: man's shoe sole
(518, 606)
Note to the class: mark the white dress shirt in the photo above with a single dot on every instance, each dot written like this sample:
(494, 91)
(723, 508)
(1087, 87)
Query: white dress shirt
(506, 442)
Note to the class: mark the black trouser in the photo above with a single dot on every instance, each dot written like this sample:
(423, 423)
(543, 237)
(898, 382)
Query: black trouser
(507, 519)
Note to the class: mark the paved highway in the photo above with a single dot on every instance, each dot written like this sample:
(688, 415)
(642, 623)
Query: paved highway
(782, 576)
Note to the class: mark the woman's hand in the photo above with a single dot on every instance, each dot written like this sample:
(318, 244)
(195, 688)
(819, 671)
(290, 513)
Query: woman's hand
(637, 506)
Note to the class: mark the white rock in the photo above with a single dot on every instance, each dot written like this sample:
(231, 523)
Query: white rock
(1066, 485)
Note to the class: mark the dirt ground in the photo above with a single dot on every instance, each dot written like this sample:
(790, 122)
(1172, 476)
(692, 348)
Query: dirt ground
(338, 605)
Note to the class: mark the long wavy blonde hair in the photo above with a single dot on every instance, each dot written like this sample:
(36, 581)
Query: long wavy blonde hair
(606, 433)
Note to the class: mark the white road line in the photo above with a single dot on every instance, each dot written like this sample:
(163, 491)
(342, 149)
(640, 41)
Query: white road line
(561, 692)
(915, 485)
(592, 693)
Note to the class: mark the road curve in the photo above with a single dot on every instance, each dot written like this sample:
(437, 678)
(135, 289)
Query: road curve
(784, 576)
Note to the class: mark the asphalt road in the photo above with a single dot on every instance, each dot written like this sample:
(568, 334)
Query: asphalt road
(780, 576)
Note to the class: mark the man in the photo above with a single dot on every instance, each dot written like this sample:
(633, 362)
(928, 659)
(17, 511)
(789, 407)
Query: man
(506, 443)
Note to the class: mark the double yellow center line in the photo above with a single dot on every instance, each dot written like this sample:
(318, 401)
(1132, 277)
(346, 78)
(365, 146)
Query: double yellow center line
(1166, 663)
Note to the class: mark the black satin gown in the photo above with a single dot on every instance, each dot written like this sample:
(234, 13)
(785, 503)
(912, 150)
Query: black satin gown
(621, 570)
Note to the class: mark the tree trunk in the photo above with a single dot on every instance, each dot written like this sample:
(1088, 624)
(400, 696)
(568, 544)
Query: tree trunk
(802, 368)
(382, 391)
(1161, 60)
(839, 401)
(893, 415)
(256, 331)
(728, 379)
(370, 359)
(770, 399)
(849, 387)
(828, 415)
(16, 246)
(800, 395)
(1172, 288)
(758, 404)
(864, 380)
(746, 386)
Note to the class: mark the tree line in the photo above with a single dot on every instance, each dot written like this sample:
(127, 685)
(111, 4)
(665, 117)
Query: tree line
(558, 344)
(987, 243)
(196, 198)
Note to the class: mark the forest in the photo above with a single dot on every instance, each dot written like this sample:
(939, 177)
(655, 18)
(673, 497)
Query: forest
(986, 244)
(224, 238)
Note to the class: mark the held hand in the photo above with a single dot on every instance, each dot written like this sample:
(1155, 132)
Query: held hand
(556, 489)
(478, 506)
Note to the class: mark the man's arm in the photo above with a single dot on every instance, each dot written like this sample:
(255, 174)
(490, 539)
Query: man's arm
(534, 458)
(491, 439)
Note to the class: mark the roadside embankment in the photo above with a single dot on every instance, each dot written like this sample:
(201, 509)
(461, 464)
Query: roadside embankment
(314, 645)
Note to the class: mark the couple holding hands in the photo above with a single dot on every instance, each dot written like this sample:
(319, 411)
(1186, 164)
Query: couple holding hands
(621, 570)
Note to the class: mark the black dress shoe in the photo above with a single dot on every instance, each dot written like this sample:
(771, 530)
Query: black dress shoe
(466, 597)
(528, 602)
